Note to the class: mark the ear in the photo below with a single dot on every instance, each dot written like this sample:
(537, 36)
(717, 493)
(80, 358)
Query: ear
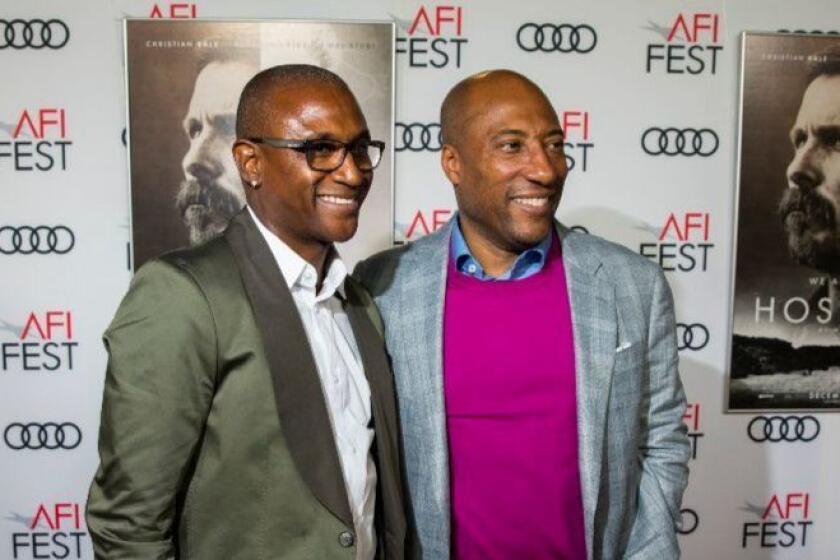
(450, 160)
(248, 161)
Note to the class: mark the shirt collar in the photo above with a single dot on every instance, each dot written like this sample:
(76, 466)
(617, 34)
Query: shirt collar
(298, 273)
(527, 263)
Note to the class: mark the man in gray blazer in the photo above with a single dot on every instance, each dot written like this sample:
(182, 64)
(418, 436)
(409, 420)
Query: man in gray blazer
(536, 367)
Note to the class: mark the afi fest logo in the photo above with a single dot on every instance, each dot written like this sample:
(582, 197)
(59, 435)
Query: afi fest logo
(53, 531)
(434, 37)
(691, 419)
(173, 11)
(45, 343)
(682, 243)
(38, 140)
(577, 134)
(423, 223)
(784, 522)
(691, 45)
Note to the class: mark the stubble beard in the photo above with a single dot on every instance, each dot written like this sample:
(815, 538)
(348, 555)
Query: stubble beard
(811, 225)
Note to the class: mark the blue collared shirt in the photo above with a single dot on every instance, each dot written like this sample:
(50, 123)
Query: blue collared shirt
(528, 263)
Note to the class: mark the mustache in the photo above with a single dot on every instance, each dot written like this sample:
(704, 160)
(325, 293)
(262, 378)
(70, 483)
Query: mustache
(815, 207)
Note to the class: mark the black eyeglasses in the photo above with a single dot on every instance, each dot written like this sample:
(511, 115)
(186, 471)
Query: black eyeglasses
(327, 155)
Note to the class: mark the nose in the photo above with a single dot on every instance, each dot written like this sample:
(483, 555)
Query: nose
(543, 168)
(804, 170)
(199, 162)
(348, 173)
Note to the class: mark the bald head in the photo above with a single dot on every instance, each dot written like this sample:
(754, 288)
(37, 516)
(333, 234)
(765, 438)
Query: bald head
(475, 95)
(256, 102)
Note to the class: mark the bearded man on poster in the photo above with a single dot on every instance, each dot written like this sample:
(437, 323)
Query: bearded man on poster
(810, 207)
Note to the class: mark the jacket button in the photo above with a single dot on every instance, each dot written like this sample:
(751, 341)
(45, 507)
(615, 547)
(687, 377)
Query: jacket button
(346, 539)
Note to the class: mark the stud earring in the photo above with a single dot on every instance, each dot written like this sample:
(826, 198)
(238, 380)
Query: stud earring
(254, 184)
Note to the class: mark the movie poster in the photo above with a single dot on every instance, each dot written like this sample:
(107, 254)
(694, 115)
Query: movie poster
(785, 351)
(184, 79)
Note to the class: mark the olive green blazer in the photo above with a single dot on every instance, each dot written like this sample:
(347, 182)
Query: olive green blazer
(215, 440)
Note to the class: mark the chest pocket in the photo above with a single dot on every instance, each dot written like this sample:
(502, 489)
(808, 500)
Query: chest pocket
(628, 371)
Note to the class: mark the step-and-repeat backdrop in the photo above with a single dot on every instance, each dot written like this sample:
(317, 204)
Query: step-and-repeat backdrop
(647, 92)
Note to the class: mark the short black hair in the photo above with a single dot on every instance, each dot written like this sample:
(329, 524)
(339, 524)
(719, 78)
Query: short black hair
(252, 110)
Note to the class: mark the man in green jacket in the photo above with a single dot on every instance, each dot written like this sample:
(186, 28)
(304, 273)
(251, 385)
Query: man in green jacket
(246, 376)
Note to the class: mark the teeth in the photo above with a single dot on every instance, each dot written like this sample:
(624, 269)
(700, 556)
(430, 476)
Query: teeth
(532, 201)
(337, 200)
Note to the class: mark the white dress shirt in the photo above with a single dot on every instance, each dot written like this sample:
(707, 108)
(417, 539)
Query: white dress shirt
(346, 390)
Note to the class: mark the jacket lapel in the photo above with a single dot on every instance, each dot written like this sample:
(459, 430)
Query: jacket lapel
(304, 420)
(421, 336)
(595, 331)
(374, 360)
(378, 373)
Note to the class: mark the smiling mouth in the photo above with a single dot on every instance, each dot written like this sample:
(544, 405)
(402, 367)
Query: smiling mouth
(347, 201)
(535, 202)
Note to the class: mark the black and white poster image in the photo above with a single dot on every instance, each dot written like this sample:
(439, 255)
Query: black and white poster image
(786, 307)
(184, 82)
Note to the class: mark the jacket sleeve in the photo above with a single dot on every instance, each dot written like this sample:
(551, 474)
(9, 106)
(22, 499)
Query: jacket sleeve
(664, 447)
(159, 384)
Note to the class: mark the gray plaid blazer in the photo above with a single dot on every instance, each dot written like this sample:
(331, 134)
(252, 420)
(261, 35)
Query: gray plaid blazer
(633, 446)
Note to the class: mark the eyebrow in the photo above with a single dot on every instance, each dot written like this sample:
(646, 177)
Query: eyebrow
(226, 120)
(510, 131)
(821, 132)
(517, 132)
(364, 134)
(829, 130)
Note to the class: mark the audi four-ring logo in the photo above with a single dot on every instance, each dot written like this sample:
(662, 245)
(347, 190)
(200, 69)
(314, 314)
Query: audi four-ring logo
(812, 32)
(42, 240)
(692, 337)
(701, 142)
(418, 137)
(688, 521)
(49, 435)
(783, 428)
(564, 38)
(33, 34)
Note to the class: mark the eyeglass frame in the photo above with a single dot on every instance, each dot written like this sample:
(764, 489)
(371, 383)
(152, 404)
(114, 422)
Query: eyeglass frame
(303, 146)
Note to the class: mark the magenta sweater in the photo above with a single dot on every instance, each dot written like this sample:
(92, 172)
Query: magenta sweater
(509, 383)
